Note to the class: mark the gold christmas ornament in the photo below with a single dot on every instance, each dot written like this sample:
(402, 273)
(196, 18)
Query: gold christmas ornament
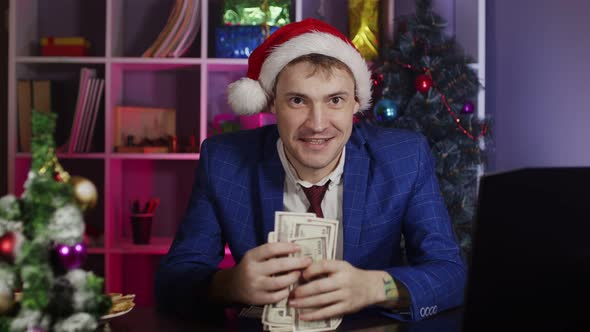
(84, 192)
(6, 301)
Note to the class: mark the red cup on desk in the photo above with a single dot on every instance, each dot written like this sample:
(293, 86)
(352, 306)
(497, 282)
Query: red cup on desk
(141, 227)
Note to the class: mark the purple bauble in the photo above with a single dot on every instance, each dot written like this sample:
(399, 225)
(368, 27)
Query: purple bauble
(468, 108)
(71, 257)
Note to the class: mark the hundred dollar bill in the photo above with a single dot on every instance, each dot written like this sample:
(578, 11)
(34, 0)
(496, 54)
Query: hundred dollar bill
(285, 224)
(335, 322)
(319, 227)
(276, 314)
(315, 248)
(334, 235)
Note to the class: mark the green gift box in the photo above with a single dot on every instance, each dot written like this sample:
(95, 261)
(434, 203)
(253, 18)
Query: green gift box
(253, 12)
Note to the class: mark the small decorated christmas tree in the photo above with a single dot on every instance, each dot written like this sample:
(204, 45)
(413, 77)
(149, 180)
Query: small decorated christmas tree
(42, 286)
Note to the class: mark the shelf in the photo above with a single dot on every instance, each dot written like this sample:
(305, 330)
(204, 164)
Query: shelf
(59, 59)
(158, 61)
(157, 246)
(27, 155)
(222, 65)
(156, 156)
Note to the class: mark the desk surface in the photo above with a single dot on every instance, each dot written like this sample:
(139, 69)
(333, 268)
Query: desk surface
(148, 320)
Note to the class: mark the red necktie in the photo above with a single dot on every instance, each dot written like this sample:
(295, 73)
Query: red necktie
(315, 195)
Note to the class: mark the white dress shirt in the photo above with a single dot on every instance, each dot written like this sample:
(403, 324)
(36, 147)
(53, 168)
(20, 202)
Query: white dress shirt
(294, 199)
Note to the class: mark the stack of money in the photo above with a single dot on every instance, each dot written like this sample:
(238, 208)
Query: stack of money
(317, 238)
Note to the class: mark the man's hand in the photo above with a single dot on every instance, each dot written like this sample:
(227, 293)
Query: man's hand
(262, 277)
(336, 288)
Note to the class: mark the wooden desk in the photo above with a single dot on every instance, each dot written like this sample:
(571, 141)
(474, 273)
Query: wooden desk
(148, 320)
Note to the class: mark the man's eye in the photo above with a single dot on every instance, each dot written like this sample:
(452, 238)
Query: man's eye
(336, 100)
(297, 100)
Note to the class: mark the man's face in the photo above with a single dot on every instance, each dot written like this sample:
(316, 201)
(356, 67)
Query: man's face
(314, 117)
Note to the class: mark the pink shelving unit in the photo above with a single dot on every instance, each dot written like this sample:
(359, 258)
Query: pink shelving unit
(119, 31)
(194, 85)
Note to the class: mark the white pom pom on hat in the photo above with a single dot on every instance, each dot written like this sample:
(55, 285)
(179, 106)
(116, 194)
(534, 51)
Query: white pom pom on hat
(249, 95)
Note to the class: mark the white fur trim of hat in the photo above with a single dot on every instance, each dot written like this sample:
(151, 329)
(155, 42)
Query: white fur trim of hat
(250, 96)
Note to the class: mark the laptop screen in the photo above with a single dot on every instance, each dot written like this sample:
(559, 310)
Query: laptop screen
(530, 262)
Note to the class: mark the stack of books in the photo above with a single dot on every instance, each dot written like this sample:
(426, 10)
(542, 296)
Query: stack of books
(77, 116)
(179, 32)
(90, 92)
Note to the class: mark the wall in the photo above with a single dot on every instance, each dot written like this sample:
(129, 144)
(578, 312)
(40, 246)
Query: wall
(538, 73)
(3, 95)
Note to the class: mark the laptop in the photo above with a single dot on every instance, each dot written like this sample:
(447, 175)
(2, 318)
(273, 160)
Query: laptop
(530, 264)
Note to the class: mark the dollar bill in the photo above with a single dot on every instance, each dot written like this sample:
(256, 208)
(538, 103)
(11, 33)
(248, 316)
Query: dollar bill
(317, 249)
(285, 224)
(319, 227)
(277, 314)
(317, 238)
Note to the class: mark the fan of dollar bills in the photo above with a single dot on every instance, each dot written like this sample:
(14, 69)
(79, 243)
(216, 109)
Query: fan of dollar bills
(317, 238)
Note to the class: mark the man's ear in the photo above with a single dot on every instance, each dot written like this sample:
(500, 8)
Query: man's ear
(271, 107)
(357, 106)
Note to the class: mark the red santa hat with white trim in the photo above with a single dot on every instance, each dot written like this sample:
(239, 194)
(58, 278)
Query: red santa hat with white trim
(250, 95)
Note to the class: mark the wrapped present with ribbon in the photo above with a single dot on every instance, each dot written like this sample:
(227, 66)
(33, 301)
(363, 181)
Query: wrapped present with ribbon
(257, 12)
(64, 46)
(364, 26)
(239, 41)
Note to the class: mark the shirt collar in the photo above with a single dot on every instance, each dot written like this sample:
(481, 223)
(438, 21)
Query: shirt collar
(335, 177)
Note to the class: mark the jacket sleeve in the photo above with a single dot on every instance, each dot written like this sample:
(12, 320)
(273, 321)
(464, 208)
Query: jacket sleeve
(184, 274)
(435, 275)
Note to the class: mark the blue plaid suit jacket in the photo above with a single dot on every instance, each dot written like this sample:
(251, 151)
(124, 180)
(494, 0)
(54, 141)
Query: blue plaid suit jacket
(390, 189)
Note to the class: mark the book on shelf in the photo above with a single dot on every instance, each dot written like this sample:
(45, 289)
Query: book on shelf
(87, 114)
(83, 87)
(94, 113)
(188, 37)
(179, 32)
(42, 96)
(31, 95)
(87, 106)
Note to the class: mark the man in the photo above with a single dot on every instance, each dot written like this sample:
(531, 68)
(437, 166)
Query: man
(380, 183)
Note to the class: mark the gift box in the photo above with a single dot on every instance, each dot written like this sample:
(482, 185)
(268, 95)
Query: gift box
(256, 12)
(239, 41)
(64, 46)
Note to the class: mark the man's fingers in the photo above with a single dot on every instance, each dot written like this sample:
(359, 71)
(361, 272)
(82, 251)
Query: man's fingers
(321, 268)
(316, 301)
(275, 297)
(285, 264)
(318, 286)
(271, 250)
(281, 282)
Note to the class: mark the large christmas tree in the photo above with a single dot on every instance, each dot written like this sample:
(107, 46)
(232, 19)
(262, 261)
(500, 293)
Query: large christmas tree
(423, 82)
(42, 286)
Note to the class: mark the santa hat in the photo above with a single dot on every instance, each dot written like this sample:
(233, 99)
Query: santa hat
(250, 95)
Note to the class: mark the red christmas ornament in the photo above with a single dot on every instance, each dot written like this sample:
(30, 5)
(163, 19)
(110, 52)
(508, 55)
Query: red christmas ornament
(423, 83)
(7, 247)
(57, 177)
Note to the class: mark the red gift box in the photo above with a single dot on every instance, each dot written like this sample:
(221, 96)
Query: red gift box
(64, 46)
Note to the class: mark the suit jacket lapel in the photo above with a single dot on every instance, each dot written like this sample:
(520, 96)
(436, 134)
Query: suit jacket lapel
(271, 179)
(356, 172)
